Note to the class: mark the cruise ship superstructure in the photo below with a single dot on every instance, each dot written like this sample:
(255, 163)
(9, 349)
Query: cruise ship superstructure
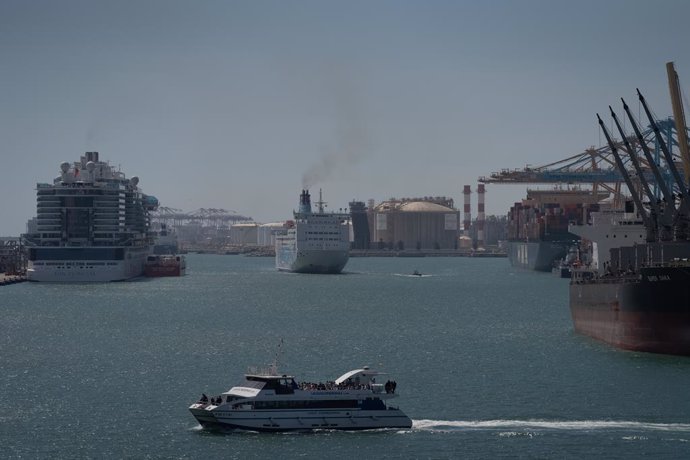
(92, 225)
(316, 242)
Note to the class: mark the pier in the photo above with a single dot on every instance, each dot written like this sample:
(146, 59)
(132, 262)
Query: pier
(425, 253)
(7, 279)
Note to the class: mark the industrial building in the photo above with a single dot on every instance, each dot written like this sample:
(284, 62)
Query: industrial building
(410, 223)
(244, 233)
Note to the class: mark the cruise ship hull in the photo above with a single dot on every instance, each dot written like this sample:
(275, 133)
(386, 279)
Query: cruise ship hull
(649, 312)
(311, 261)
(303, 420)
(537, 255)
(85, 271)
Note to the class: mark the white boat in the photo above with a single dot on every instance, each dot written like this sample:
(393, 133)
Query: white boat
(315, 242)
(92, 225)
(269, 401)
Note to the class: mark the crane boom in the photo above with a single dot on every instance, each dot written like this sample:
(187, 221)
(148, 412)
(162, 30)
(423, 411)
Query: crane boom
(679, 117)
(661, 183)
(633, 192)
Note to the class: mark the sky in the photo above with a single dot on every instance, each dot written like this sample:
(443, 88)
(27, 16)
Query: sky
(240, 104)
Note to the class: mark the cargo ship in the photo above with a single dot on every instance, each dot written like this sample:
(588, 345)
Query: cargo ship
(315, 242)
(638, 307)
(538, 232)
(92, 224)
(637, 296)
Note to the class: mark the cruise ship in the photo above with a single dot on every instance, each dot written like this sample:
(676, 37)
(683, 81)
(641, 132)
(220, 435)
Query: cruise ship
(315, 242)
(270, 401)
(92, 225)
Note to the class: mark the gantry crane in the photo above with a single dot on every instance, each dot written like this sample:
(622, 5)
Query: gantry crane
(645, 161)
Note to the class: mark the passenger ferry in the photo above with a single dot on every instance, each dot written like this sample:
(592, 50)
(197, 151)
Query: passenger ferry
(269, 401)
(315, 242)
(92, 224)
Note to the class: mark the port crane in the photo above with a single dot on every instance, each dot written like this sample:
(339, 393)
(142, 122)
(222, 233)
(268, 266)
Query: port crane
(640, 151)
(209, 217)
(649, 162)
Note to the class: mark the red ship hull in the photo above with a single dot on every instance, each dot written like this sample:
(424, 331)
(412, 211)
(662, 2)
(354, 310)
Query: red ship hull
(157, 266)
(646, 312)
(163, 271)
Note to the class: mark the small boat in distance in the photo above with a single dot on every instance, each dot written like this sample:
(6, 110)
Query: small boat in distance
(270, 401)
(416, 273)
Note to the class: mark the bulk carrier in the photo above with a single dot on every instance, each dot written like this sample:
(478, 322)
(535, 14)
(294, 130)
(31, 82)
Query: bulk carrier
(315, 242)
(92, 224)
(637, 295)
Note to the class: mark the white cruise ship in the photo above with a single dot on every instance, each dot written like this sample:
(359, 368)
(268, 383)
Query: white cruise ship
(270, 401)
(316, 242)
(92, 224)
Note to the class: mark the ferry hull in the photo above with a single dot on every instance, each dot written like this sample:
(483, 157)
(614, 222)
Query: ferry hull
(537, 255)
(308, 420)
(650, 313)
(312, 261)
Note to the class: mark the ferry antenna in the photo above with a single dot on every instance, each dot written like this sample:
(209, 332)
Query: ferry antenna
(321, 204)
(279, 351)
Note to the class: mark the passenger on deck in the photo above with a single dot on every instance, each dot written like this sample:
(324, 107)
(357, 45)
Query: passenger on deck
(204, 398)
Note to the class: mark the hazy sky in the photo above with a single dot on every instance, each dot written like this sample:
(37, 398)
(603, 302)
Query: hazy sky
(234, 104)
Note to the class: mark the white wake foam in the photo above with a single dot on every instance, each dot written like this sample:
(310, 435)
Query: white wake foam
(578, 425)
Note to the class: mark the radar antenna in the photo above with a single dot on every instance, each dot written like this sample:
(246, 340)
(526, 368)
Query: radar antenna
(321, 204)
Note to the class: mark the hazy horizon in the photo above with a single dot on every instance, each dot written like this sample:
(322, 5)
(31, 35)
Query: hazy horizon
(240, 104)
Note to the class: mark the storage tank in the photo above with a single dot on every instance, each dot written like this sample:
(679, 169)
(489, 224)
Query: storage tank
(412, 223)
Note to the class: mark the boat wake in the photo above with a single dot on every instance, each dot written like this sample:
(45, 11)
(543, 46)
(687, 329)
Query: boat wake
(572, 425)
(408, 275)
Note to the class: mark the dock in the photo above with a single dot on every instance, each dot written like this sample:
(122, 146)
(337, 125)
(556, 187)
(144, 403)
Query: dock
(425, 253)
(7, 279)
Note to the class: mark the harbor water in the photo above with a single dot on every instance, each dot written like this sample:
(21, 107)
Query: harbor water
(485, 358)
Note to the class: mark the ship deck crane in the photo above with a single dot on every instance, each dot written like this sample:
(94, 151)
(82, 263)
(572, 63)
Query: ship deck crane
(649, 224)
(679, 117)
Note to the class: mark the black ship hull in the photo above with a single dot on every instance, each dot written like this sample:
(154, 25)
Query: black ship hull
(648, 311)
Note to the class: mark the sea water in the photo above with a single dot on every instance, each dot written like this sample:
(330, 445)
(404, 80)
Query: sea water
(485, 358)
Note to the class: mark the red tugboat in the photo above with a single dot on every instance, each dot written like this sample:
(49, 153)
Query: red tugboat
(165, 265)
